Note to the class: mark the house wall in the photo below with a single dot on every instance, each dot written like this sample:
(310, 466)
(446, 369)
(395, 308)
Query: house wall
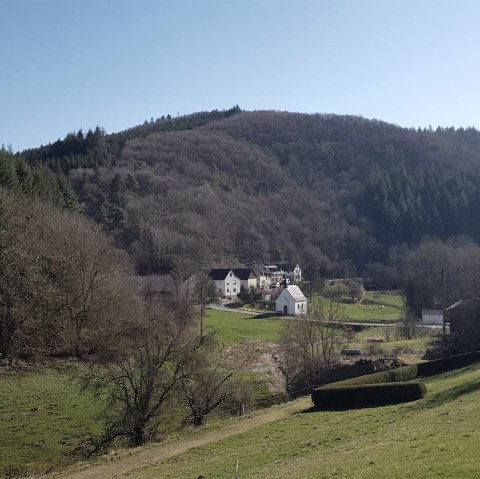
(294, 308)
(432, 319)
(297, 274)
(263, 281)
(247, 283)
(230, 286)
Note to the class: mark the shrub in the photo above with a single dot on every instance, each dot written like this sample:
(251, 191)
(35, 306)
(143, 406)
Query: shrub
(360, 395)
(438, 366)
(405, 373)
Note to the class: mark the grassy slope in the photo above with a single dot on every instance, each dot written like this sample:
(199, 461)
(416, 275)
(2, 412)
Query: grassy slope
(377, 308)
(43, 418)
(433, 437)
(233, 328)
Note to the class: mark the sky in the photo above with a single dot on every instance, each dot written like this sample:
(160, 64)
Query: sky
(71, 64)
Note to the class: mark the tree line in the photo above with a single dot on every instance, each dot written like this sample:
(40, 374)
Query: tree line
(67, 291)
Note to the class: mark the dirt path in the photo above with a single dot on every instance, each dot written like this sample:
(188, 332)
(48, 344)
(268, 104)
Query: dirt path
(159, 453)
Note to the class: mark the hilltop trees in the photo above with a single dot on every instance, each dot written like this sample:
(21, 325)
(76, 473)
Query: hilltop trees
(335, 192)
(17, 177)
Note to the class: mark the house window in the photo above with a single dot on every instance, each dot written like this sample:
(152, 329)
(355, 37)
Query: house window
(230, 275)
(234, 282)
(228, 291)
(219, 290)
(234, 290)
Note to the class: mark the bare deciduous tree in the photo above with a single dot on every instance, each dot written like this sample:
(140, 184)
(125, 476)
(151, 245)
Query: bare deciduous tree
(311, 342)
(208, 385)
(154, 355)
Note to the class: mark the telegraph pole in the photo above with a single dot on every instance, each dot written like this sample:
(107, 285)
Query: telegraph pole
(201, 312)
(443, 305)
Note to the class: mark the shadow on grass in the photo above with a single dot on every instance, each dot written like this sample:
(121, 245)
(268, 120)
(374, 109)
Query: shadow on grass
(447, 395)
(314, 409)
(266, 316)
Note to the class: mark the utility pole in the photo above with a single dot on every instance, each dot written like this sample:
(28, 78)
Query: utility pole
(202, 307)
(443, 305)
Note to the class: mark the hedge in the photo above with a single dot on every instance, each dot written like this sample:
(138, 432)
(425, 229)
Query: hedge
(438, 366)
(358, 395)
(405, 373)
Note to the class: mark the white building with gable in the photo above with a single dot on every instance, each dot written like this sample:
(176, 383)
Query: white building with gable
(291, 301)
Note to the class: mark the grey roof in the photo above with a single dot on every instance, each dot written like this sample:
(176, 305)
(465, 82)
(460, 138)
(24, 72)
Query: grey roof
(296, 293)
(432, 311)
(287, 267)
(244, 273)
(219, 273)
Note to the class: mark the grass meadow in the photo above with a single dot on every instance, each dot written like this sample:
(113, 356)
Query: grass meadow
(44, 420)
(376, 308)
(437, 437)
(233, 328)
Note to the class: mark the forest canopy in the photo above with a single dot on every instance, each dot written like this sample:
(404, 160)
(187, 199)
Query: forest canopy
(333, 192)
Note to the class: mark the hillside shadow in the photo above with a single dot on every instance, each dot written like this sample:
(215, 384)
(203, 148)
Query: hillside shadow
(447, 395)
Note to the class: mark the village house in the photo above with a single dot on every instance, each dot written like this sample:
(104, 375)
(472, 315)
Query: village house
(291, 301)
(264, 277)
(291, 271)
(248, 278)
(464, 321)
(276, 274)
(226, 283)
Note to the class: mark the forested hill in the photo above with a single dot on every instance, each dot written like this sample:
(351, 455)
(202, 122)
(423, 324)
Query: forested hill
(333, 192)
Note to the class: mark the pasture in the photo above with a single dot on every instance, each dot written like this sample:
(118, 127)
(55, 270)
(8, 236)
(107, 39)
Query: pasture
(44, 420)
(433, 437)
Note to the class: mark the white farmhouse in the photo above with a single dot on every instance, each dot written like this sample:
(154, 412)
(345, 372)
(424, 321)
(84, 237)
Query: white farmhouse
(226, 283)
(291, 301)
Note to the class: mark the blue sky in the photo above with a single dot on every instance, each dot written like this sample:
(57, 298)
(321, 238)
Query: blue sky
(71, 64)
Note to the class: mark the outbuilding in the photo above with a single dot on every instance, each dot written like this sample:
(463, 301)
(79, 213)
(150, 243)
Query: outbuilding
(291, 301)
(432, 316)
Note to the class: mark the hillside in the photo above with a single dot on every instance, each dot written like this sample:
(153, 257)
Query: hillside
(433, 437)
(333, 192)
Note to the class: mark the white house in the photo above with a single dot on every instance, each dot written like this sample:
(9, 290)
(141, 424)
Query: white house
(248, 278)
(291, 271)
(263, 275)
(226, 283)
(432, 316)
(291, 301)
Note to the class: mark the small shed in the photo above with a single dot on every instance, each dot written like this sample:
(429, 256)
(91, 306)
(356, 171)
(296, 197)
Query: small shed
(432, 316)
(291, 301)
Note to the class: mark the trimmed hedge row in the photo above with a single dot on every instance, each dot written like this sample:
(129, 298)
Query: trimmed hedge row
(387, 387)
(358, 395)
(405, 373)
(438, 366)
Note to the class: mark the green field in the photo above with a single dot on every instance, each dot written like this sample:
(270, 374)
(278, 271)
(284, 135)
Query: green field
(43, 419)
(377, 308)
(392, 342)
(234, 327)
(436, 437)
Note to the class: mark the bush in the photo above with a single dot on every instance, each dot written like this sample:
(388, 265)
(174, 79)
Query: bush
(360, 395)
(405, 373)
(438, 366)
